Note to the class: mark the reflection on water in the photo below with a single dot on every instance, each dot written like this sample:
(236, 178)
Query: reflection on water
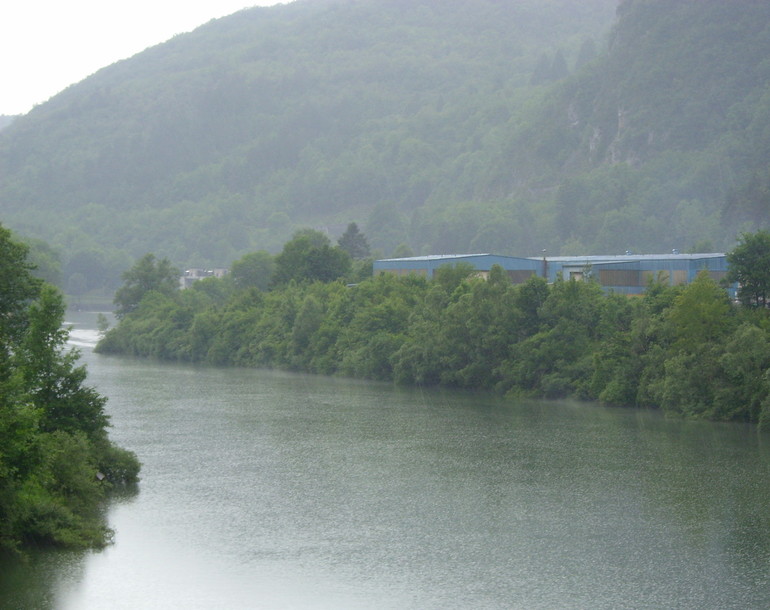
(272, 490)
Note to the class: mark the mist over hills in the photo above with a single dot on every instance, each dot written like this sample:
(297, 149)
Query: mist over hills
(6, 120)
(467, 125)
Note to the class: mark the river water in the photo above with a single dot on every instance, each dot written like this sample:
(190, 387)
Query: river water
(265, 489)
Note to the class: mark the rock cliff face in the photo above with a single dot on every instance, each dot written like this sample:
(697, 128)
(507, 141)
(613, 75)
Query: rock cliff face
(674, 76)
(662, 142)
(671, 122)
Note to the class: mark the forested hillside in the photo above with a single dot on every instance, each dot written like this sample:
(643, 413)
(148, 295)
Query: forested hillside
(663, 143)
(470, 125)
(5, 120)
(315, 113)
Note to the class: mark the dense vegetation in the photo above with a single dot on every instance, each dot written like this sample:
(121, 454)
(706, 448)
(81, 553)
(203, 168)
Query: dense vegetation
(687, 350)
(666, 135)
(470, 125)
(227, 139)
(56, 460)
(6, 120)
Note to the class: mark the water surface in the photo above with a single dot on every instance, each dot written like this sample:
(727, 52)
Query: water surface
(265, 489)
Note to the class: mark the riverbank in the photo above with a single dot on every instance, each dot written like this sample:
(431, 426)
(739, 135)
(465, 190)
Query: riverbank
(264, 488)
(57, 463)
(686, 350)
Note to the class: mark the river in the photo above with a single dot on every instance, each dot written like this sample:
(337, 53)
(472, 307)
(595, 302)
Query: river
(264, 489)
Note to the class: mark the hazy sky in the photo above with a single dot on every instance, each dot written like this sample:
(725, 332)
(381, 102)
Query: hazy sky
(47, 45)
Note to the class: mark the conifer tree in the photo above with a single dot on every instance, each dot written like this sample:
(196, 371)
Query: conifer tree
(354, 242)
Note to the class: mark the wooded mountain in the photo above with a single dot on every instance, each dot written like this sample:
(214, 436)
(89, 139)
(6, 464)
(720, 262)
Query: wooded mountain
(466, 125)
(5, 120)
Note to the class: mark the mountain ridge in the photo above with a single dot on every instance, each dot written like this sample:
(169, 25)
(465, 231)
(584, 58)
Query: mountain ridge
(424, 124)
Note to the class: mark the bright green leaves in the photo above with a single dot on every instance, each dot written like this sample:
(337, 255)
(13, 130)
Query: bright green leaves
(148, 274)
(309, 256)
(701, 314)
(750, 267)
(52, 426)
(745, 375)
(253, 270)
(17, 288)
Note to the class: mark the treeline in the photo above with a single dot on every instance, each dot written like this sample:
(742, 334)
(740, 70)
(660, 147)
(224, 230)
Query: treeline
(56, 461)
(686, 350)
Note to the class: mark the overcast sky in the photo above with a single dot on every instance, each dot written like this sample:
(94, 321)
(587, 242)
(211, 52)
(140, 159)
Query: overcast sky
(47, 45)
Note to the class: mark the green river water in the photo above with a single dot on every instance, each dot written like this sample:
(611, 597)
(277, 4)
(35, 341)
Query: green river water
(264, 489)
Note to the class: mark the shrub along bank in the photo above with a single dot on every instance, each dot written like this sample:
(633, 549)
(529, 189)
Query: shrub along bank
(686, 350)
(56, 461)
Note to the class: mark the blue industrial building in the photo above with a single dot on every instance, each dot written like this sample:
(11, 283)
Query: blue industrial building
(630, 273)
(622, 274)
(518, 269)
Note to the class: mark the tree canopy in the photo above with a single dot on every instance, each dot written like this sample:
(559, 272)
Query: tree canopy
(354, 242)
(309, 256)
(749, 265)
(54, 447)
(254, 269)
(147, 274)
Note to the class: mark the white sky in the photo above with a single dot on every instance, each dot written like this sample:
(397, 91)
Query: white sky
(47, 45)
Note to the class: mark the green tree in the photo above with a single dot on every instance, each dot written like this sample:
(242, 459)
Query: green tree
(529, 298)
(403, 251)
(744, 384)
(310, 256)
(451, 276)
(45, 261)
(749, 264)
(541, 72)
(90, 264)
(557, 360)
(253, 270)
(327, 264)
(354, 242)
(309, 318)
(17, 288)
(53, 438)
(55, 380)
(700, 314)
(675, 349)
(146, 275)
(291, 263)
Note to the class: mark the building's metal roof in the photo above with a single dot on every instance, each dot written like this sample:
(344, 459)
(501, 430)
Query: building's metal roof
(433, 257)
(593, 258)
(622, 258)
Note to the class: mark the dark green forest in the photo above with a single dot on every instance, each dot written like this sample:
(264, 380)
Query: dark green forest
(57, 463)
(687, 350)
(465, 126)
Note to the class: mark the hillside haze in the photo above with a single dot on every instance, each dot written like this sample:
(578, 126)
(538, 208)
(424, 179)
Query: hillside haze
(469, 125)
